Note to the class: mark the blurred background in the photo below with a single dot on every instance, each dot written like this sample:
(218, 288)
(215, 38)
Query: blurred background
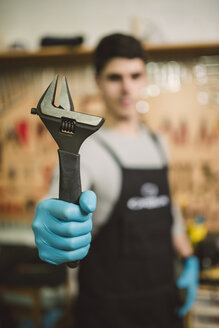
(39, 39)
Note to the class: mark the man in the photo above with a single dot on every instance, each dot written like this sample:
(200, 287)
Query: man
(127, 277)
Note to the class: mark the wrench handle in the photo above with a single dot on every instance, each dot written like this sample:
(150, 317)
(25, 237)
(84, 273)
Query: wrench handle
(69, 182)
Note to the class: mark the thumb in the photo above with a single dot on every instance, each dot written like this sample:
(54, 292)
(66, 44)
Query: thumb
(181, 282)
(88, 201)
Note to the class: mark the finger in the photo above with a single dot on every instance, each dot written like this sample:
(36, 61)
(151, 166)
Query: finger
(183, 310)
(62, 210)
(70, 229)
(63, 243)
(190, 299)
(57, 256)
(181, 282)
(88, 201)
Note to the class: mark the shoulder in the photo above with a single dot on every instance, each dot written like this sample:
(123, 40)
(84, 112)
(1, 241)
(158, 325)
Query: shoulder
(94, 155)
(163, 143)
(157, 136)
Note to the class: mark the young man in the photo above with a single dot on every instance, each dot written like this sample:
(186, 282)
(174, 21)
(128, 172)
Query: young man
(127, 278)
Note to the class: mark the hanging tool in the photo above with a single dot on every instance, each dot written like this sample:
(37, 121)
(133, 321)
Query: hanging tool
(69, 129)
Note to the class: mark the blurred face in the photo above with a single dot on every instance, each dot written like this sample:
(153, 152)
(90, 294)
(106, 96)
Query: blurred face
(121, 82)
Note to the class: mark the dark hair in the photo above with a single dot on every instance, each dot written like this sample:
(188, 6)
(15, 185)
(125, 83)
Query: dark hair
(117, 45)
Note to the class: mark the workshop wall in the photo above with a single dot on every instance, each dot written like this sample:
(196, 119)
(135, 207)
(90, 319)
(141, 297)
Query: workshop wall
(27, 21)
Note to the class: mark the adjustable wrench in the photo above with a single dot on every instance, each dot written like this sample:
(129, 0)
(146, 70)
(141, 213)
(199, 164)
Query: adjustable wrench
(69, 129)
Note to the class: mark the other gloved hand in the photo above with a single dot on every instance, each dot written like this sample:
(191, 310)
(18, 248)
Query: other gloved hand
(63, 230)
(189, 280)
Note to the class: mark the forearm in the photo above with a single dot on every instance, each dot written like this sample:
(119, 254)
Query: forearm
(182, 245)
(181, 242)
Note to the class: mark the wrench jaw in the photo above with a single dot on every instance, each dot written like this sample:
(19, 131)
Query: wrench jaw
(65, 100)
(68, 128)
(47, 101)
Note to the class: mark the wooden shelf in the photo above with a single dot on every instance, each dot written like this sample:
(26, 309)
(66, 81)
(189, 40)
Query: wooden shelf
(46, 56)
(81, 54)
(182, 51)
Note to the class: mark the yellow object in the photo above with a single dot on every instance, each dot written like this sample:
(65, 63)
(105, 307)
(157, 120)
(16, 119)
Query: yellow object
(212, 273)
(197, 230)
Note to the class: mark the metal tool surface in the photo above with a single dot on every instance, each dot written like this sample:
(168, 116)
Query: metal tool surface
(69, 129)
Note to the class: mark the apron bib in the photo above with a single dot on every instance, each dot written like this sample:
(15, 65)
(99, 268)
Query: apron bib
(127, 278)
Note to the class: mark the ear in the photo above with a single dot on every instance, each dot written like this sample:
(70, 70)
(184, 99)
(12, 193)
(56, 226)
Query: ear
(99, 83)
(97, 80)
(145, 76)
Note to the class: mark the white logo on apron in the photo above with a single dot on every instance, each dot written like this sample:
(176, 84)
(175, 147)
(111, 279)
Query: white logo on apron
(149, 199)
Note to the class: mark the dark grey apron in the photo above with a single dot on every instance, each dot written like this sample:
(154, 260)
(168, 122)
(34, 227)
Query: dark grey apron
(127, 278)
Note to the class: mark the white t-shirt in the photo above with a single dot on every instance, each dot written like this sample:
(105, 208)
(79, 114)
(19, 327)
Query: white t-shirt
(137, 151)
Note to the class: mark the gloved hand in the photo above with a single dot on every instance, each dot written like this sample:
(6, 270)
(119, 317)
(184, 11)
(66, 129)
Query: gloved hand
(189, 280)
(63, 230)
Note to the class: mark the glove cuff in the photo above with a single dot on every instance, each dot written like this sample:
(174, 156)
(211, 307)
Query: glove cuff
(191, 261)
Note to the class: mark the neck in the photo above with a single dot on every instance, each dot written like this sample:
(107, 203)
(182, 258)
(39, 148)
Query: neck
(123, 126)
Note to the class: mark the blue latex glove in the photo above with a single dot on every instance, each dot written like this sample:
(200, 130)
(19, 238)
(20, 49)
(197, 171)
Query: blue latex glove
(189, 280)
(63, 230)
